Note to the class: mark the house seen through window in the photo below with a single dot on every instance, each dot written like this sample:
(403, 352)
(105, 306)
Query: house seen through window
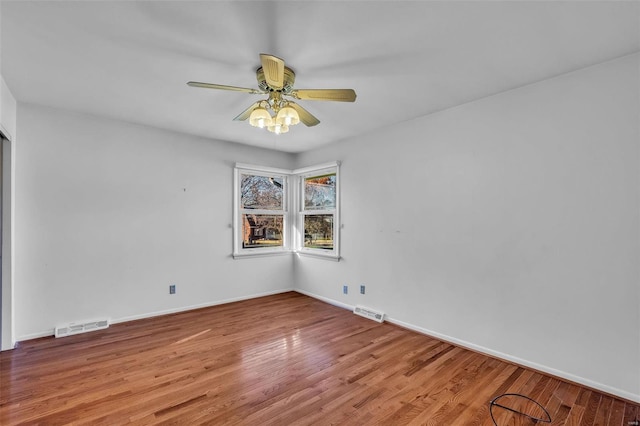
(262, 209)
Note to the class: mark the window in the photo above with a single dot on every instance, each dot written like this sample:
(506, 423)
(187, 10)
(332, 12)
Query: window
(263, 222)
(261, 211)
(318, 212)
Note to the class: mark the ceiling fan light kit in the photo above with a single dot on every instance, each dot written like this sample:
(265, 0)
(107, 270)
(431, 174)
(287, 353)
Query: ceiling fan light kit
(276, 113)
(279, 122)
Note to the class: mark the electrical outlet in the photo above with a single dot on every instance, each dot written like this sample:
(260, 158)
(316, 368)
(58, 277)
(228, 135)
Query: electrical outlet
(362, 289)
(345, 289)
(172, 289)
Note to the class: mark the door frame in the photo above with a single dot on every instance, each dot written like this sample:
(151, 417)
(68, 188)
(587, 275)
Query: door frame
(7, 313)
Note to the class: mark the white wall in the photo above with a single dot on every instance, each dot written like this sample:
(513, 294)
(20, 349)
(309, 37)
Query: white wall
(110, 214)
(510, 224)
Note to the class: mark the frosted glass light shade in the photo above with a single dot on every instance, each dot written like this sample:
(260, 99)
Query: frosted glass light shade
(288, 116)
(260, 117)
(278, 128)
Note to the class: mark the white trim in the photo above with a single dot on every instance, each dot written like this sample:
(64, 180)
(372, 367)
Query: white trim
(4, 132)
(309, 169)
(166, 312)
(7, 285)
(496, 354)
(31, 336)
(264, 169)
(261, 253)
(326, 299)
(318, 254)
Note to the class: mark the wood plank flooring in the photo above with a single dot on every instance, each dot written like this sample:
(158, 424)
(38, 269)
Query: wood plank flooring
(280, 360)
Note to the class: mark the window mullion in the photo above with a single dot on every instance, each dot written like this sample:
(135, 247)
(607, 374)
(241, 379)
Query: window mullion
(307, 212)
(262, 211)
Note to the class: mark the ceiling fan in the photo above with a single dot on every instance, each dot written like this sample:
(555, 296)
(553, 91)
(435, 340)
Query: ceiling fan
(277, 112)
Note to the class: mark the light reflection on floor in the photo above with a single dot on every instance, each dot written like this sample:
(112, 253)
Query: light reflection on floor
(282, 356)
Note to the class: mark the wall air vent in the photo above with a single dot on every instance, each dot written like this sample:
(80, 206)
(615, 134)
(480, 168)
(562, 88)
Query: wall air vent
(369, 313)
(81, 327)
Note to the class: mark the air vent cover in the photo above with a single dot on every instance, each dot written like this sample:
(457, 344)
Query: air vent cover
(369, 313)
(81, 327)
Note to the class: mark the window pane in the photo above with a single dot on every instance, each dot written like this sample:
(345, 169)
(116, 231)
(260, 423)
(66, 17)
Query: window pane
(261, 230)
(318, 231)
(261, 192)
(320, 192)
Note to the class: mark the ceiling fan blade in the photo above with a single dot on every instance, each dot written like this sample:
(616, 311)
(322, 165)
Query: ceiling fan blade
(222, 87)
(273, 68)
(247, 112)
(339, 95)
(305, 116)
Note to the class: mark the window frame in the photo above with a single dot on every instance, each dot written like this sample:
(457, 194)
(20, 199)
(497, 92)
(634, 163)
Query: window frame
(238, 250)
(293, 211)
(301, 176)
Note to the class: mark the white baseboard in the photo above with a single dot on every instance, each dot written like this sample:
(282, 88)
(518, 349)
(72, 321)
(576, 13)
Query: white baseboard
(198, 306)
(477, 348)
(325, 299)
(51, 331)
(38, 335)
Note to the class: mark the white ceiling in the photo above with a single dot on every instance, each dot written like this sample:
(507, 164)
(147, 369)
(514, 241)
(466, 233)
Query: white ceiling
(130, 60)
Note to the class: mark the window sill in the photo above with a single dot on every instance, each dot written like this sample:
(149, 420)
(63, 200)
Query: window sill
(323, 256)
(261, 254)
(332, 257)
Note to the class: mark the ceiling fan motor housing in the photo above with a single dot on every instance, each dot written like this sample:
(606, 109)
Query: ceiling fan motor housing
(287, 86)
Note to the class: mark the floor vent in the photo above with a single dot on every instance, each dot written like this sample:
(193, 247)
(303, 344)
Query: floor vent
(369, 313)
(81, 327)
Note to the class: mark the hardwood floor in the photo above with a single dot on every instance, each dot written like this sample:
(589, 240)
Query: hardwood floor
(279, 360)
